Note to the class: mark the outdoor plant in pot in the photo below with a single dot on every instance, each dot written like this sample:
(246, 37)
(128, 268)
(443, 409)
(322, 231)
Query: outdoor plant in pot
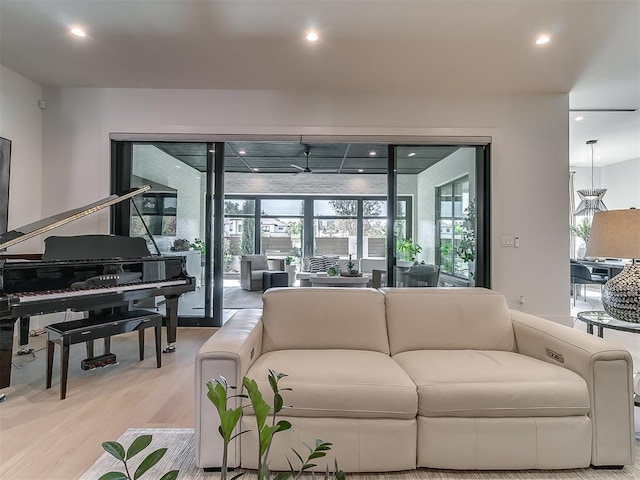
(407, 249)
(267, 426)
(466, 248)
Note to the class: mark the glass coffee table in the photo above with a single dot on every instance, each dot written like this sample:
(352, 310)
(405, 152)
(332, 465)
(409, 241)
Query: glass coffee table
(603, 320)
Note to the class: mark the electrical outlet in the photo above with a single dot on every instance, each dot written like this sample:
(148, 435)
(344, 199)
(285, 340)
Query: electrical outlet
(507, 241)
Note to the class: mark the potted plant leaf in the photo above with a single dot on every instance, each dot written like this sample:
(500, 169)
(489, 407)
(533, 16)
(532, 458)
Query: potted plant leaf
(407, 249)
(140, 443)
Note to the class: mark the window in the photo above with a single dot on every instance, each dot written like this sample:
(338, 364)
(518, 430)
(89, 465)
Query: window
(335, 227)
(281, 222)
(239, 227)
(453, 225)
(374, 229)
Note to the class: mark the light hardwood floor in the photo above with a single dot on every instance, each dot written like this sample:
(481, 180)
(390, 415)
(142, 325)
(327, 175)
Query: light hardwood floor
(42, 437)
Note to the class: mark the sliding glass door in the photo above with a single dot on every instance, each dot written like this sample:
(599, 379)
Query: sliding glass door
(423, 210)
(174, 215)
(448, 245)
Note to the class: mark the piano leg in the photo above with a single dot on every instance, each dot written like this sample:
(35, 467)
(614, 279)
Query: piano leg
(90, 349)
(23, 340)
(6, 350)
(171, 306)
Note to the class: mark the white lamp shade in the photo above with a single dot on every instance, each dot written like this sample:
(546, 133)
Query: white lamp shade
(615, 234)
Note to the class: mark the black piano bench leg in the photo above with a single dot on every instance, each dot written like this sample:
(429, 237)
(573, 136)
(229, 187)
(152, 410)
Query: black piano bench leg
(50, 351)
(158, 339)
(141, 344)
(64, 370)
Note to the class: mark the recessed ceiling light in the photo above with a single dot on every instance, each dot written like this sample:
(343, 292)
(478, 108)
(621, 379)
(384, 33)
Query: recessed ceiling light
(360, 170)
(373, 154)
(412, 154)
(579, 119)
(312, 37)
(242, 152)
(78, 32)
(543, 39)
(178, 166)
(256, 169)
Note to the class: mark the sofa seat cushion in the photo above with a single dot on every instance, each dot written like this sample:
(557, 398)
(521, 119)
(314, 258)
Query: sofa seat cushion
(338, 383)
(491, 383)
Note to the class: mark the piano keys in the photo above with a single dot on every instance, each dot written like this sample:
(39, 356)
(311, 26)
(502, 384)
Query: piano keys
(83, 273)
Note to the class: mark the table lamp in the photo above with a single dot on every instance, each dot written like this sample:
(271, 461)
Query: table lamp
(616, 234)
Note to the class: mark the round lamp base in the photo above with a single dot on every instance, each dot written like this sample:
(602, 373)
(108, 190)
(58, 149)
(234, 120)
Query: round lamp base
(621, 295)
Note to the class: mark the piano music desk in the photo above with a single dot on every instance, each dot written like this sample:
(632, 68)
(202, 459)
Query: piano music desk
(89, 329)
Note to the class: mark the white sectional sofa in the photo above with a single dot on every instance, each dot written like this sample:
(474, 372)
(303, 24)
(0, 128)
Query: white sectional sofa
(434, 377)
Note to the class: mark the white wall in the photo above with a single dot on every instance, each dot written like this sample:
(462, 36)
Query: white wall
(529, 162)
(622, 181)
(151, 163)
(304, 184)
(21, 122)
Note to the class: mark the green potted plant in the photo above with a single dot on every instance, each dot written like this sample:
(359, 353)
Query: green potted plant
(407, 249)
(198, 245)
(267, 426)
(582, 231)
(466, 248)
(140, 443)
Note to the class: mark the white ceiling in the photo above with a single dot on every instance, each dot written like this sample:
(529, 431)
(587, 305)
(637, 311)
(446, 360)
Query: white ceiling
(390, 46)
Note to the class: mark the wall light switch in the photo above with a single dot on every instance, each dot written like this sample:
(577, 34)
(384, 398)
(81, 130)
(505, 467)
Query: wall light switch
(507, 241)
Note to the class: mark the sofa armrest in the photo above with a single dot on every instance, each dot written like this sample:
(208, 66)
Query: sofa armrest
(607, 369)
(228, 353)
(245, 274)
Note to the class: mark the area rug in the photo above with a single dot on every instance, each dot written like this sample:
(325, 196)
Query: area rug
(181, 456)
(235, 297)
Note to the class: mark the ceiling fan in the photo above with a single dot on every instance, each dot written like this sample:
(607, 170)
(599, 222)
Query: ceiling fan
(306, 168)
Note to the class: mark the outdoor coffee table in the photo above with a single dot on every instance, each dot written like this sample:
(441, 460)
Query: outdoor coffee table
(337, 281)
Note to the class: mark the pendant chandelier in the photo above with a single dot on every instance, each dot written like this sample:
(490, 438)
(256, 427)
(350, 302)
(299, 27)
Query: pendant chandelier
(591, 200)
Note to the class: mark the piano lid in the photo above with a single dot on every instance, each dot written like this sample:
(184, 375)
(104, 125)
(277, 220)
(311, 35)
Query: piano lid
(46, 224)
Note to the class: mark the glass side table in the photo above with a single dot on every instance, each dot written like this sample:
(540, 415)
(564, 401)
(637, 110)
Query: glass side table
(602, 320)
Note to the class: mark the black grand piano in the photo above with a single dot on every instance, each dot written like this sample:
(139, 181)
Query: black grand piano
(82, 273)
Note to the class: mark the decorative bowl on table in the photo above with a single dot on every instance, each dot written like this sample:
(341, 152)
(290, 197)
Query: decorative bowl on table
(352, 273)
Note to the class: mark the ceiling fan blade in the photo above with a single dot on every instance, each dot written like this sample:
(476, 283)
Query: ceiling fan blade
(298, 167)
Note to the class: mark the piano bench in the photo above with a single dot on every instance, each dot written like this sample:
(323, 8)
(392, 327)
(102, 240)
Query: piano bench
(94, 327)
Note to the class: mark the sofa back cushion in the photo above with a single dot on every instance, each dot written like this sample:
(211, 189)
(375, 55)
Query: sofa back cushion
(447, 319)
(258, 262)
(324, 318)
(316, 264)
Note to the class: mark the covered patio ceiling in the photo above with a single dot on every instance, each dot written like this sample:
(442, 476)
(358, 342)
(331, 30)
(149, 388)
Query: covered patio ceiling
(294, 157)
